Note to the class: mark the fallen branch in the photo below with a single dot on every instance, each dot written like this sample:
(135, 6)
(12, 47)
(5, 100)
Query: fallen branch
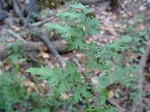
(60, 46)
(138, 106)
(27, 45)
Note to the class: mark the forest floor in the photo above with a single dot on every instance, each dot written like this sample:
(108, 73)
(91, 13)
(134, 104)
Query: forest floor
(114, 24)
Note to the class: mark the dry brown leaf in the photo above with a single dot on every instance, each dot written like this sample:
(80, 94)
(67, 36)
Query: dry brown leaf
(65, 96)
(11, 40)
(81, 57)
(110, 28)
(31, 87)
(42, 48)
(61, 110)
(28, 83)
(43, 85)
(45, 55)
(110, 94)
(81, 70)
(7, 67)
(15, 28)
(141, 26)
(29, 90)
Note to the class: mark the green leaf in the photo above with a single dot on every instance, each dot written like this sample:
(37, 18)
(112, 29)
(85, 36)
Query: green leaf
(104, 96)
(92, 50)
(77, 31)
(78, 6)
(53, 81)
(94, 64)
(71, 16)
(76, 96)
(76, 43)
(64, 30)
(70, 68)
(43, 72)
(63, 86)
(142, 50)
(91, 109)
(119, 44)
(84, 91)
(92, 23)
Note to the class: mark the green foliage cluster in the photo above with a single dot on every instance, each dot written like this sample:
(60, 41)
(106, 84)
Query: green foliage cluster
(76, 27)
(137, 47)
(140, 38)
(126, 74)
(13, 92)
(14, 96)
(64, 81)
(9, 94)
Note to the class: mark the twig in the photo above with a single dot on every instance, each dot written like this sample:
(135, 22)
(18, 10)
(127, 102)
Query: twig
(52, 49)
(41, 22)
(138, 106)
(90, 1)
(77, 62)
(16, 35)
(118, 107)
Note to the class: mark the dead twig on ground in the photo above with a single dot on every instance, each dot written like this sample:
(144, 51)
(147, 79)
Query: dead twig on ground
(52, 49)
(16, 35)
(41, 22)
(77, 62)
(117, 106)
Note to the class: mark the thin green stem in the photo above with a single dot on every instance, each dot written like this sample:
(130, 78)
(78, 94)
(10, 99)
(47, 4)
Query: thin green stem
(85, 52)
(86, 63)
